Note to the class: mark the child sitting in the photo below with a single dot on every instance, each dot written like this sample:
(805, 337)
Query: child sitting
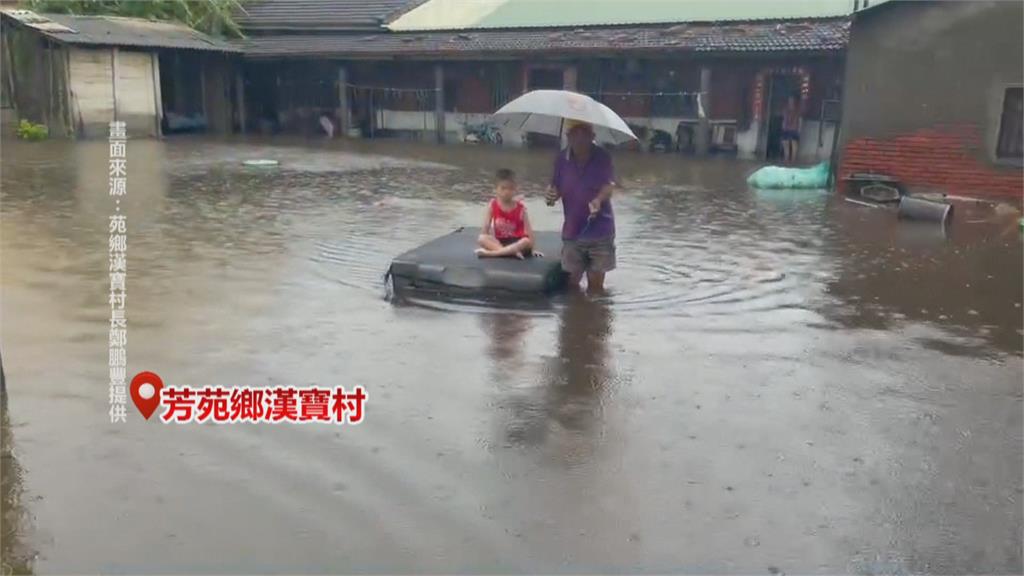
(506, 216)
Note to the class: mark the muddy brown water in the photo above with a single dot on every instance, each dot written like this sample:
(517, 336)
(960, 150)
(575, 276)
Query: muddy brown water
(777, 381)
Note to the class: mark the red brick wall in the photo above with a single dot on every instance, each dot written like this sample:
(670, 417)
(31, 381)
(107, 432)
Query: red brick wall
(947, 159)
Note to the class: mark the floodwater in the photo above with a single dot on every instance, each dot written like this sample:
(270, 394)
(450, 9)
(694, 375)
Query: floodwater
(776, 381)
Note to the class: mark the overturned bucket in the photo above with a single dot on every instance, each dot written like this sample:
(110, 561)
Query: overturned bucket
(926, 210)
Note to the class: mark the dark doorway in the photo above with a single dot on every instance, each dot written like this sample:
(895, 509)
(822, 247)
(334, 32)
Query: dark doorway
(782, 86)
(182, 92)
(262, 82)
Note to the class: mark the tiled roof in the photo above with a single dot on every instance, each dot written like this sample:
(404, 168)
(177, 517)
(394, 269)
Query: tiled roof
(116, 31)
(810, 35)
(320, 14)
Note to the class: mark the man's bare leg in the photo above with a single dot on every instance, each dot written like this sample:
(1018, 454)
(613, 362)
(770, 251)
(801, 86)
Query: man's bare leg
(574, 280)
(595, 282)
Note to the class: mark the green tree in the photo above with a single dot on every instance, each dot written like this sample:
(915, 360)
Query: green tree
(216, 17)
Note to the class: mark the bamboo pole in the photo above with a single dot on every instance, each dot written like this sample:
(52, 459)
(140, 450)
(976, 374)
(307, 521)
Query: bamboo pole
(202, 88)
(50, 95)
(10, 70)
(240, 96)
(439, 97)
(68, 94)
(157, 95)
(344, 120)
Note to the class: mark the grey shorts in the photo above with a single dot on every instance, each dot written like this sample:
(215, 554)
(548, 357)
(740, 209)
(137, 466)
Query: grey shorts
(588, 255)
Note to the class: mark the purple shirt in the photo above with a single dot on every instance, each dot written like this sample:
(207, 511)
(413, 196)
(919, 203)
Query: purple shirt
(578, 186)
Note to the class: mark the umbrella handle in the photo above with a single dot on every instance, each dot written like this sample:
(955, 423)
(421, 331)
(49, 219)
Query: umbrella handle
(547, 199)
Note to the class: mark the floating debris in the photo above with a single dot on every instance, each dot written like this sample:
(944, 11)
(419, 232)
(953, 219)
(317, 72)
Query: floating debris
(260, 162)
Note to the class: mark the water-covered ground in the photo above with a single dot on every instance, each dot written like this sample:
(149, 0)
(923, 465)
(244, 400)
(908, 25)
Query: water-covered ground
(777, 381)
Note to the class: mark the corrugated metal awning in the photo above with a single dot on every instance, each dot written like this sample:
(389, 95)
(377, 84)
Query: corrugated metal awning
(117, 31)
(264, 15)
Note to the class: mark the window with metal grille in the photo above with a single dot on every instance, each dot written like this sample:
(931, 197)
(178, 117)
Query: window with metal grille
(1011, 135)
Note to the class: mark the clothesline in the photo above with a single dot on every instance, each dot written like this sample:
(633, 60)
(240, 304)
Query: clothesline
(642, 94)
(598, 94)
(385, 89)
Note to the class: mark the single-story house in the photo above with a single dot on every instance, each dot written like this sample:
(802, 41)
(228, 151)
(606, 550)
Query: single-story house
(76, 73)
(933, 96)
(386, 68)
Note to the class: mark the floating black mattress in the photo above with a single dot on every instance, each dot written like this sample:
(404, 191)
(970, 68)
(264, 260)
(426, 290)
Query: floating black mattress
(448, 264)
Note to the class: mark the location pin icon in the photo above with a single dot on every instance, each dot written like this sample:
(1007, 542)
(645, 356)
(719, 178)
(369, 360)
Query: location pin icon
(145, 390)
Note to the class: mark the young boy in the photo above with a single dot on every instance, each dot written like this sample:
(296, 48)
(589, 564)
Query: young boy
(506, 216)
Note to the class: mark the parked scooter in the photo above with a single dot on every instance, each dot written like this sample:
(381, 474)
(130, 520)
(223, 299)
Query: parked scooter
(487, 133)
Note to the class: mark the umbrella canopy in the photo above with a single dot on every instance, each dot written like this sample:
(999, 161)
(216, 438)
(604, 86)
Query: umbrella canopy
(544, 111)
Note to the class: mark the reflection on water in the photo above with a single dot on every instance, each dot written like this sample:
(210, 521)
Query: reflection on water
(578, 381)
(506, 333)
(775, 379)
(565, 406)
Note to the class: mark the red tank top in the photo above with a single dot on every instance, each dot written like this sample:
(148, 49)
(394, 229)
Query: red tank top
(508, 224)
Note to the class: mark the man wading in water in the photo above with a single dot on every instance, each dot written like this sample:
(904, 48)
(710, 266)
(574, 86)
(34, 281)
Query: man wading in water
(583, 179)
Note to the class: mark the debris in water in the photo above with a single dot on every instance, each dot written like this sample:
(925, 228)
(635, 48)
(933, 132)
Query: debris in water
(260, 162)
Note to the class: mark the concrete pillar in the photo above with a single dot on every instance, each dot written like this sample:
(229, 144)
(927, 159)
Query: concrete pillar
(569, 78)
(202, 87)
(344, 118)
(702, 140)
(240, 100)
(439, 101)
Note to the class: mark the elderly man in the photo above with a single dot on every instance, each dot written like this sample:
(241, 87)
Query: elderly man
(583, 179)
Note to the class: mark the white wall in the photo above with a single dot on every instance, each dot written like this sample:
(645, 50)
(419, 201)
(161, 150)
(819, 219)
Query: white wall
(423, 121)
(746, 141)
(809, 150)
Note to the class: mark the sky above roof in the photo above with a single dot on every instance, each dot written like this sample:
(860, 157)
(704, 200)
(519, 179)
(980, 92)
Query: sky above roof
(463, 14)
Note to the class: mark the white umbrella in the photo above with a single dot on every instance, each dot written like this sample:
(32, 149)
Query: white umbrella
(545, 111)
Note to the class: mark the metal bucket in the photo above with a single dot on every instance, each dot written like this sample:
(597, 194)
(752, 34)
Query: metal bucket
(880, 193)
(926, 210)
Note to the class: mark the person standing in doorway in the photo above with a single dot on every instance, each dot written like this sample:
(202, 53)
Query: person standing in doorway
(584, 179)
(790, 130)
